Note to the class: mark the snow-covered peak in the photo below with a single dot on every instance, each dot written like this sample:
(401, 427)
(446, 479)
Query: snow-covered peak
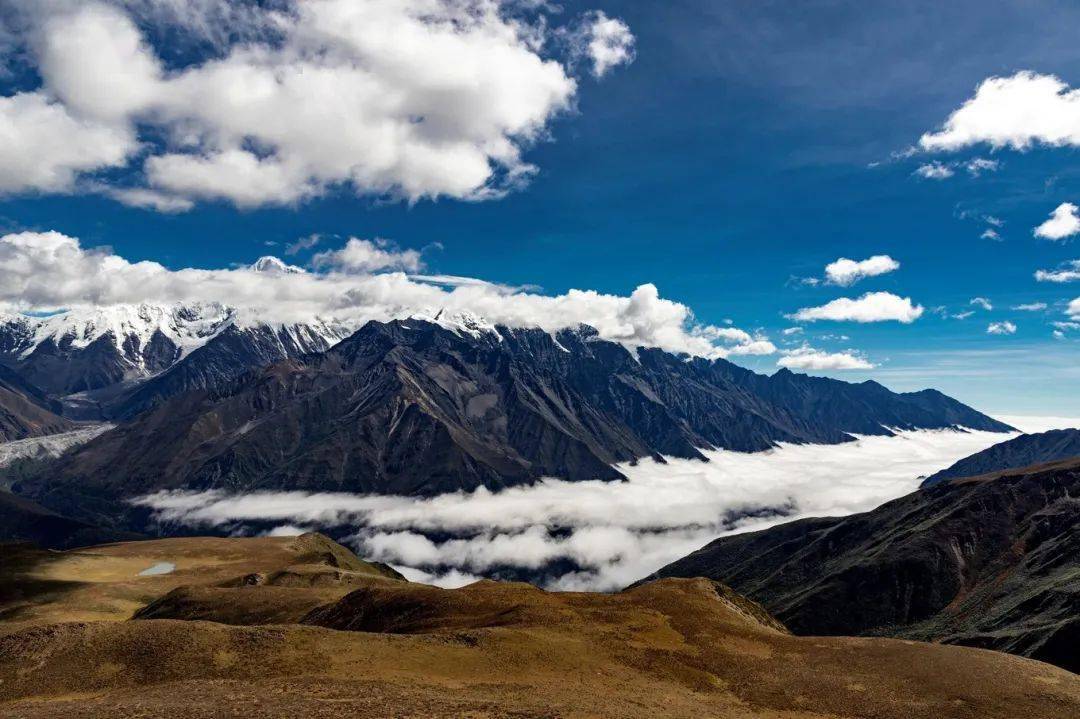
(461, 322)
(187, 325)
(271, 265)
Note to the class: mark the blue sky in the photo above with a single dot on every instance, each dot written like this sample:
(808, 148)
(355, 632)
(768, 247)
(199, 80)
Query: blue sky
(745, 147)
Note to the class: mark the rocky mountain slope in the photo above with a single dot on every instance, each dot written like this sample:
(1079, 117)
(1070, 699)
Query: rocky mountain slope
(991, 561)
(287, 627)
(417, 407)
(1022, 451)
(114, 362)
(25, 411)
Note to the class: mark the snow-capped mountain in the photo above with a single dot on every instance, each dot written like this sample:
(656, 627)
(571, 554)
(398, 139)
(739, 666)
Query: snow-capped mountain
(96, 351)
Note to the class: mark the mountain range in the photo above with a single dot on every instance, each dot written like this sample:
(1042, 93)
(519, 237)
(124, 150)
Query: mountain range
(114, 362)
(989, 561)
(426, 406)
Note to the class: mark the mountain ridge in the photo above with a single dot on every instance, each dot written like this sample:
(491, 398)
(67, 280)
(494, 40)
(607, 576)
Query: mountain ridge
(1022, 451)
(412, 407)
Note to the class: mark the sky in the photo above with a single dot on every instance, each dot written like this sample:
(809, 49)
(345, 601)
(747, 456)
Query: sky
(883, 190)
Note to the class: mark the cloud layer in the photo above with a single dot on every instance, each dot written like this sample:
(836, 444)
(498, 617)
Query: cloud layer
(44, 271)
(614, 532)
(403, 98)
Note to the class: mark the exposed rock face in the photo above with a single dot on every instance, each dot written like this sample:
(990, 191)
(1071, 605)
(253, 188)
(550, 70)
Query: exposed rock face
(1022, 451)
(991, 562)
(115, 362)
(25, 411)
(226, 356)
(418, 408)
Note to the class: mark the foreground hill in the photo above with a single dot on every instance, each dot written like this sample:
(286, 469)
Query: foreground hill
(418, 407)
(989, 561)
(25, 411)
(1022, 451)
(299, 627)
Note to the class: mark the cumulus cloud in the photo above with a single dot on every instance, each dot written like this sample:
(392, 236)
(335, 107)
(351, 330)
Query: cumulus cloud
(45, 147)
(845, 272)
(1001, 328)
(1068, 272)
(41, 271)
(366, 256)
(408, 99)
(614, 533)
(1064, 222)
(606, 42)
(871, 307)
(934, 171)
(1017, 111)
(808, 358)
(1073, 310)
(982, 302)
(990, 234)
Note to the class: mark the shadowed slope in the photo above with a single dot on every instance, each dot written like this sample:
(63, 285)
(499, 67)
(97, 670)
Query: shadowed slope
(991, 561)
(1022, 451)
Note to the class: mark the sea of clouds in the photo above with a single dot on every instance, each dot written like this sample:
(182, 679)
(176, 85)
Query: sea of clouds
(598, 535)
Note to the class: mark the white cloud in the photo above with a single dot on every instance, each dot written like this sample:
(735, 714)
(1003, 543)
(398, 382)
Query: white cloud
(978, 165)
(49, 270)
(871, 307)
(44, 147)
(991, 234)
(1069, 272)
(1073, 309)
(1030, 307)
(1064, 222)
(975, 167)
(408, 99)
(981, 302)
(934, 171)
(1001, 328)
(607, 42)
(304, 243)
(845, 272)
(1017, 112)
(366, 256)
(808, 358)
(617, 532)
(793, 331)
(963, 315)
